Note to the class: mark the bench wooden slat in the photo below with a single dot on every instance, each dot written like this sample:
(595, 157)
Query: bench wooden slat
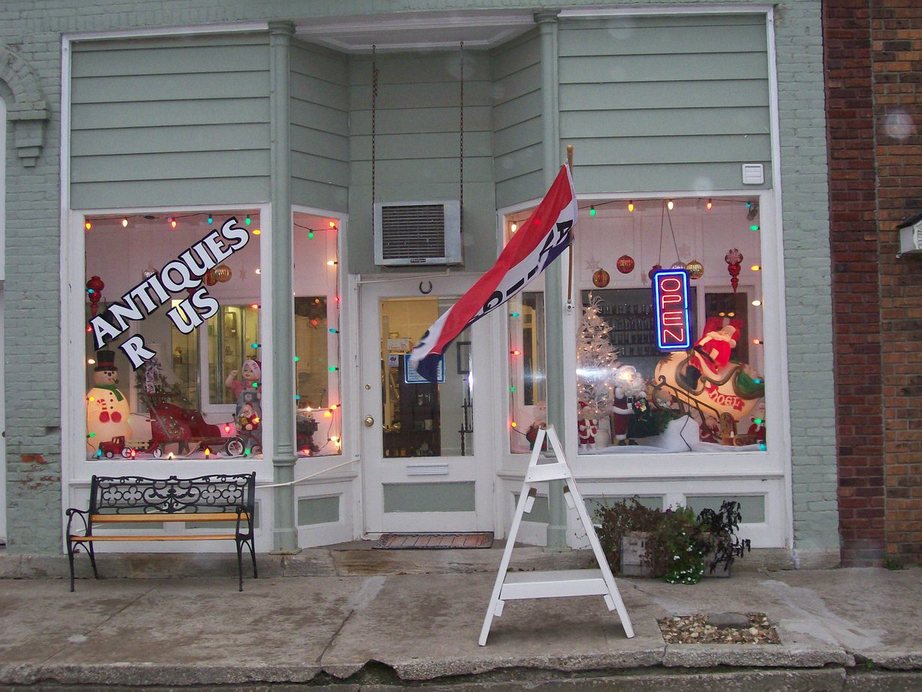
(176, 516)
(158, 537)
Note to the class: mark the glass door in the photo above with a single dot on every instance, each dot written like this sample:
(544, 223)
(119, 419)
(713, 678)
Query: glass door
(423, 447)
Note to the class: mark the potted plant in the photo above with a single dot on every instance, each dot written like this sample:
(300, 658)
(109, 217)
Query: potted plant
(719, 535)
(678, 548)
(624, 529)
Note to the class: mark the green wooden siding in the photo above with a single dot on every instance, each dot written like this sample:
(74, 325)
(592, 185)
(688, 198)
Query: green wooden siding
(170, 121)
(417, 145)
(664, 103)
(454, 496)
(319, 128)
(518, 135)
(318, 510)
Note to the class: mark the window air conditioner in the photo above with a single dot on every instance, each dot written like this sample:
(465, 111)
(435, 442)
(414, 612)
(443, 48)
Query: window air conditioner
(417, 233)
(911, 236)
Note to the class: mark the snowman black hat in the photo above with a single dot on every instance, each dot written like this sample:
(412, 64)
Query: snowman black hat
(105, 360)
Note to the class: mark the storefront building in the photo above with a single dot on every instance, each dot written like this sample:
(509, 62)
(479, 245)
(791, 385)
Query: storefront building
(227, 226)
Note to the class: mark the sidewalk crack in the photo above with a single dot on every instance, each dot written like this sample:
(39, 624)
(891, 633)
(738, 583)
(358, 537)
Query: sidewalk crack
(365, 595)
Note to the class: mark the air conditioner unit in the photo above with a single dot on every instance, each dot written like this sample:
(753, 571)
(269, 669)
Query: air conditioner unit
(417, 233)
(911, 236)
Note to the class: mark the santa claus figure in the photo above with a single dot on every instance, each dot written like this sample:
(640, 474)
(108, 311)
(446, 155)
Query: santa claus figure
(628, 391)
(107, 409)
(588, 426)
(712, 351)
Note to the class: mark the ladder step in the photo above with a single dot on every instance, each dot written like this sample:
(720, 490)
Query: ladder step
(547, 472)
(553, 584)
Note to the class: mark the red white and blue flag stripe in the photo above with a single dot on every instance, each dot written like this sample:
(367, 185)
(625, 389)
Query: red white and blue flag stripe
(537, 243)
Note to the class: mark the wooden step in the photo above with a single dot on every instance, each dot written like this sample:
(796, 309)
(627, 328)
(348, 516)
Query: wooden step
(553, 584)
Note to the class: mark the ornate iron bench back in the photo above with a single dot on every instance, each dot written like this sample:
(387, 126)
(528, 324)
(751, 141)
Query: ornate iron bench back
(139, 495)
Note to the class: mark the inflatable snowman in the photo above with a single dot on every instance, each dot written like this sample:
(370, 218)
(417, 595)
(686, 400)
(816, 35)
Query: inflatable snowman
(107, 409)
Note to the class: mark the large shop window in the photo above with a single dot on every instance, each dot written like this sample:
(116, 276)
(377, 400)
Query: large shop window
(173, 343)
(669, 334)
(316, 322)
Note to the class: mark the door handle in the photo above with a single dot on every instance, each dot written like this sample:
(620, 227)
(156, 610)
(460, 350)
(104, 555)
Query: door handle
(369, 421)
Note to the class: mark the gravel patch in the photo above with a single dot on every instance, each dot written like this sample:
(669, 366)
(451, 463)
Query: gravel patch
(753, 628)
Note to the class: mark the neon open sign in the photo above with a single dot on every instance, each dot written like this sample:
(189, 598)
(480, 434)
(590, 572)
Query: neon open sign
(670, 300)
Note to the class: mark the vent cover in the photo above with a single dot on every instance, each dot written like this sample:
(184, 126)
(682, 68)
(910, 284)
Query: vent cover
(410, 233)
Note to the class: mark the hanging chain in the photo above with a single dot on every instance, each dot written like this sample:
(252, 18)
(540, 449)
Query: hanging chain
(672, 230)
(374, 106)
(461, 143)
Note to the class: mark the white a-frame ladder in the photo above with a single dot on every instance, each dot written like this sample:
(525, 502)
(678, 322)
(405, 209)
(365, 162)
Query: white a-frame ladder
(560, 583)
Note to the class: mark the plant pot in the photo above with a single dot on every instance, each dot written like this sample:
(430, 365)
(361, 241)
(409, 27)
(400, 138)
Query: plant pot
(721, 570)
(633, 548)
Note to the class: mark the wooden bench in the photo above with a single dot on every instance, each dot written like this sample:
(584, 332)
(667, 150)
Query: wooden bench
(135, 501)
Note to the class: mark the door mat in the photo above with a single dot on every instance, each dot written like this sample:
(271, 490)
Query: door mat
(434, 541)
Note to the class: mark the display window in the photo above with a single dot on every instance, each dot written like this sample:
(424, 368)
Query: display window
(173, 336)
(316, 325)
(668, 295)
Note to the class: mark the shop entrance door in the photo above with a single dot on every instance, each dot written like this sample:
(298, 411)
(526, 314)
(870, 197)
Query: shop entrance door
(425, 447)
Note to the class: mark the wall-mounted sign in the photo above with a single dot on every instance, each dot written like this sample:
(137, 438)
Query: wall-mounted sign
(670, 303)
(411, 376)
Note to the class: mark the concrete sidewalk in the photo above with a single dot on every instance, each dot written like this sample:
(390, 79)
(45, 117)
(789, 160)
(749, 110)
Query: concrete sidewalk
(396, 618)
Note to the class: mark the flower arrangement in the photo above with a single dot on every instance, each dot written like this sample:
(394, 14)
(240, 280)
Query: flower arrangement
(680, 546)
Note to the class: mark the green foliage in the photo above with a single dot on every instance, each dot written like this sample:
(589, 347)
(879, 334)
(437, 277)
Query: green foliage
(893, 563)
(720, 528)
(617, 520)
(679, 545)
(650, 420)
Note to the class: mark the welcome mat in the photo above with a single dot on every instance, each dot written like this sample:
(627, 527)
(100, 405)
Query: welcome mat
(434, 541)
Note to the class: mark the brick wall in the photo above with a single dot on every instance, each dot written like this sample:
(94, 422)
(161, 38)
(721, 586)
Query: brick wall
(874, 67)
(896, 44)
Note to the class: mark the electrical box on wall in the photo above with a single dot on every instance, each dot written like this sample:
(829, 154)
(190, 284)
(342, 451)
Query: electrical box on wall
(417, 233)
(911, 236)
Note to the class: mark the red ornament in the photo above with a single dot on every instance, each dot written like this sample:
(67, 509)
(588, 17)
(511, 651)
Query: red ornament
(625, 264)
(600, 278)
(655, 268)
(733, 258)
(94, 292)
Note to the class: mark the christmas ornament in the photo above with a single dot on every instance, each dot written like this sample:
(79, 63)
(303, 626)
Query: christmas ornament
(600, 278)
(655, 268)
(733, 259)
(695, 269)
(210, 279)
(94, 292)
(222, 273)
(625, 264)
(678, 265)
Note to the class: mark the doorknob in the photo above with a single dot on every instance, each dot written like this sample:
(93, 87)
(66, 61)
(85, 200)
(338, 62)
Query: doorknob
(369, 421)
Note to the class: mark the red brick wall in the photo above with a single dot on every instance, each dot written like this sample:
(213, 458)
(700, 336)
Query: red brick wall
(896, 34)
(874, 107)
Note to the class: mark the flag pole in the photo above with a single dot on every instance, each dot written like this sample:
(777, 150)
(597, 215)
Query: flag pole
(572, 240)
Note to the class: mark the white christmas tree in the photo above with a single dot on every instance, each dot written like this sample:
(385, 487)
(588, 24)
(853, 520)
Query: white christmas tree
(596, 359)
